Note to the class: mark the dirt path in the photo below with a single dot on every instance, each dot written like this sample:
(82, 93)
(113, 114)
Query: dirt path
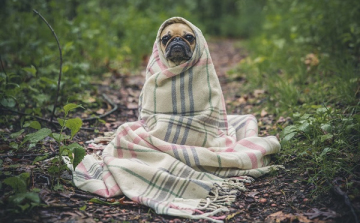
(282, 196)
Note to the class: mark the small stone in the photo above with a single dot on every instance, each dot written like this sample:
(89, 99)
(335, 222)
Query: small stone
(263, 200)
(273, 205)
(305, 200)
(266, 195)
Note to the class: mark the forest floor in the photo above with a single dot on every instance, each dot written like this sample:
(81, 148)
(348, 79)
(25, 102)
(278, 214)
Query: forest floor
(283, 196)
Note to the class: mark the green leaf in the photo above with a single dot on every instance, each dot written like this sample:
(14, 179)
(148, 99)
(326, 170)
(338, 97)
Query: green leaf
(37, 136)
(79, 153)
(325, 151)
(17, 134)
(70, 107)
(305, 117)
(8, 102)
(325, 137)
(98, 201)
(58, 187)
(289, 136)
(53, 170)
(18, 198)
(24, 176)
(12, 84)
(14, 145)
(321, 110)
(83, 208)
(59, 137)
(288, 129)
(61, 121)
(31, 70)
(326, 127)
(17, 184)
(40, 158)
(74, 125)
(33, 197)
(24, 207)
(33, 124)
(304, 127)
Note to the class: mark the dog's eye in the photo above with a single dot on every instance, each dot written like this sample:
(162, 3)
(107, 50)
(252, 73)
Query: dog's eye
(189, 38)
(165, 39)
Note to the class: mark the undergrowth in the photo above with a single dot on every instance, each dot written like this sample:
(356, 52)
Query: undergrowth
(306, 56)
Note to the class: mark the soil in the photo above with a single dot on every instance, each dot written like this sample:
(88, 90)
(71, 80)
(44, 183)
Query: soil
(282, 196)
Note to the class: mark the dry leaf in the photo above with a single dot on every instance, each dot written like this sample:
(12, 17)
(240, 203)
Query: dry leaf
(318, 213)
(263, 113)
(100, 111)
(252, 194)
(282, 217)
(258, 92)
(242, 100)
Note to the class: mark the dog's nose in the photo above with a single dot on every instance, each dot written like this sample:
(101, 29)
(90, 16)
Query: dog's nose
(177, 39)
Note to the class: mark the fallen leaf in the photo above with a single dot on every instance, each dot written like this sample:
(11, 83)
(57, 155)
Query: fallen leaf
(230, 216)
(318, 213)
(258, 92)
(252, 194)
(263, 113)
(100, 111)
(283, 217)
(242, 100)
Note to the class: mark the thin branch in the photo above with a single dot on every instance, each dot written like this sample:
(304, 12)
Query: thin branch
(59, 80)
(114, 108)
(3, 68)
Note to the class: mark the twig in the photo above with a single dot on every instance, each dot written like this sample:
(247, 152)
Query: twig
(346, 199)
(114, 108)
(26, 155)
(3, 68)
(59, 80)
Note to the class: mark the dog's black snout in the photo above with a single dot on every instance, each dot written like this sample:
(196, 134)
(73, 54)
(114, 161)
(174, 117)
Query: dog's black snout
(177, 39)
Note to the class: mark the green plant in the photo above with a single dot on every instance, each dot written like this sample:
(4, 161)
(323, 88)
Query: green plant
(325, 142)
(74, 151)
(21, 200)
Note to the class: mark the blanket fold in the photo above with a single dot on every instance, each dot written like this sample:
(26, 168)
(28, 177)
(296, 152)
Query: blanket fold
(184, 156)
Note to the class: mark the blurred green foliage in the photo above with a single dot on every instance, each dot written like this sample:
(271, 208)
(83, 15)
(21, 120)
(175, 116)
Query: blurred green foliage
(94, 36)
(306, 55)
(306, 52)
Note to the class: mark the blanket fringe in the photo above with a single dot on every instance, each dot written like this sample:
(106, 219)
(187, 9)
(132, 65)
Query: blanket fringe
(221, 196)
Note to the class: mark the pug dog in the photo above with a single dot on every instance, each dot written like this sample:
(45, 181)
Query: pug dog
(177, 42)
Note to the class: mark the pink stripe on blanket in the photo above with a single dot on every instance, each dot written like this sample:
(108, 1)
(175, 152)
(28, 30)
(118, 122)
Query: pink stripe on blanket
(162, 66)
(252, 131)
(81, 168)
(108, 192)
(124, 133)
(253, 159)
(131, 149)
(106, 176)
(251, 145)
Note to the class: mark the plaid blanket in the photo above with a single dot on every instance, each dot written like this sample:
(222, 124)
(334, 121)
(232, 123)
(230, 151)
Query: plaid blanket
(184, 156)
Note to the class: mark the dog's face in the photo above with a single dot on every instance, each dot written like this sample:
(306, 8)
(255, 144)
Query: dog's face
(177, 42)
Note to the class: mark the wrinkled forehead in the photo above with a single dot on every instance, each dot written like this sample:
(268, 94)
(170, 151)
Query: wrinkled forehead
(176, 29)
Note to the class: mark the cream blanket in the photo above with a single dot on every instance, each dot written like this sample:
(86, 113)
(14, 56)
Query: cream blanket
(185, 156)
